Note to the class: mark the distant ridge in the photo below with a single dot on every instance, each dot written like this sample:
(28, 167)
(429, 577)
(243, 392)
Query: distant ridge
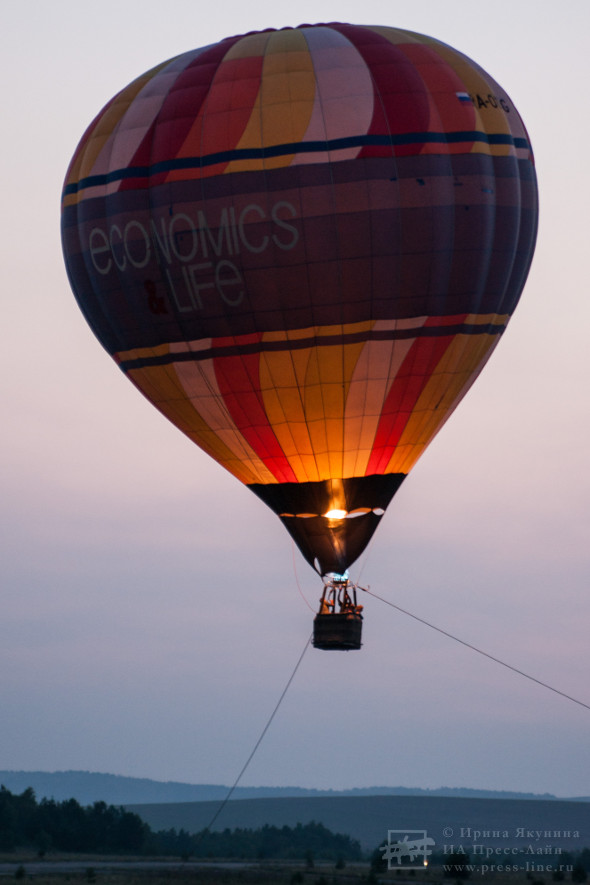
(88, 787)
(449, 820)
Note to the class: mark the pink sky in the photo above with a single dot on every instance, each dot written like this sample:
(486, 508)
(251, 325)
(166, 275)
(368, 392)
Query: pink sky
(151, 613)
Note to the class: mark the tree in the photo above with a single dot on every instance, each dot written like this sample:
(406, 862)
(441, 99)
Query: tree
(456, 866)
(579, 874)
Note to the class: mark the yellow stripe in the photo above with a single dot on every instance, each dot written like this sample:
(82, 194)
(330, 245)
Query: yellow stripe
(455, 373)
(249, 46)
(376, 368)
(137, 353)
(284, 103)
(281, 376)
(84, 163)
(162, 387)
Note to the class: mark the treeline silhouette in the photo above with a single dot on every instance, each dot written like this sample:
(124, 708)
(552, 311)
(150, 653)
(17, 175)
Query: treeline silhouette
(304, 841)
(106, 829)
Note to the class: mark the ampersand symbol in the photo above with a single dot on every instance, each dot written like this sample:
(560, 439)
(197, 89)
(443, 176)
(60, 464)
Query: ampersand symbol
(156, 303)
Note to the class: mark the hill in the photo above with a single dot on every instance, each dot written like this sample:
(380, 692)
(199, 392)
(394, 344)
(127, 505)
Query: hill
(451, 816)
(88, 787)
(504, 824)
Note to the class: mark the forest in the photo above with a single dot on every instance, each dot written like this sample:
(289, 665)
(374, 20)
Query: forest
(99, 828)
(48, 826)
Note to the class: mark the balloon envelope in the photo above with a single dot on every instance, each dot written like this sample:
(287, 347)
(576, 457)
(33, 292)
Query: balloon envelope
(302, 246)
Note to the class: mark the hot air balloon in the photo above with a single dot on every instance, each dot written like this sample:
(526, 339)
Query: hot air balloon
(302, 246)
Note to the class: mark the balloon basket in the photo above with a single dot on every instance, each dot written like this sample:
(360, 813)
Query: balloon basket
(337, 632)
(339, 623)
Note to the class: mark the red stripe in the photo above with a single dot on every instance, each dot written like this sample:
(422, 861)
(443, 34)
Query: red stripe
(179, 110)
(239, 382)
(413, 376)
(401, 102)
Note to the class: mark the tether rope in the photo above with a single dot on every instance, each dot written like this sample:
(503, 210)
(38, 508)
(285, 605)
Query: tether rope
(260, 739)
(420, 620)
(475, 648)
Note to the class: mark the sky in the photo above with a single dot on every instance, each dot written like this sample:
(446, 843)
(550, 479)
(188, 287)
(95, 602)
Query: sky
(153, 609)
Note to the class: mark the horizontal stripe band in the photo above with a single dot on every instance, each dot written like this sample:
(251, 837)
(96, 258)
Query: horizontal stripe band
(317, 341)
(278, 150)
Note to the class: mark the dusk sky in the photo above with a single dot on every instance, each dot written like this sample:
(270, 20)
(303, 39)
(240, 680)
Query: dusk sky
(153, 608)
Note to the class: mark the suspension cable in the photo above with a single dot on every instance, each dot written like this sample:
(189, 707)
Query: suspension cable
(475, 648)
(260, 739)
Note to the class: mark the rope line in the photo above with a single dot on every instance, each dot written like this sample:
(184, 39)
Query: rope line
(478, 650)
(260, 739)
